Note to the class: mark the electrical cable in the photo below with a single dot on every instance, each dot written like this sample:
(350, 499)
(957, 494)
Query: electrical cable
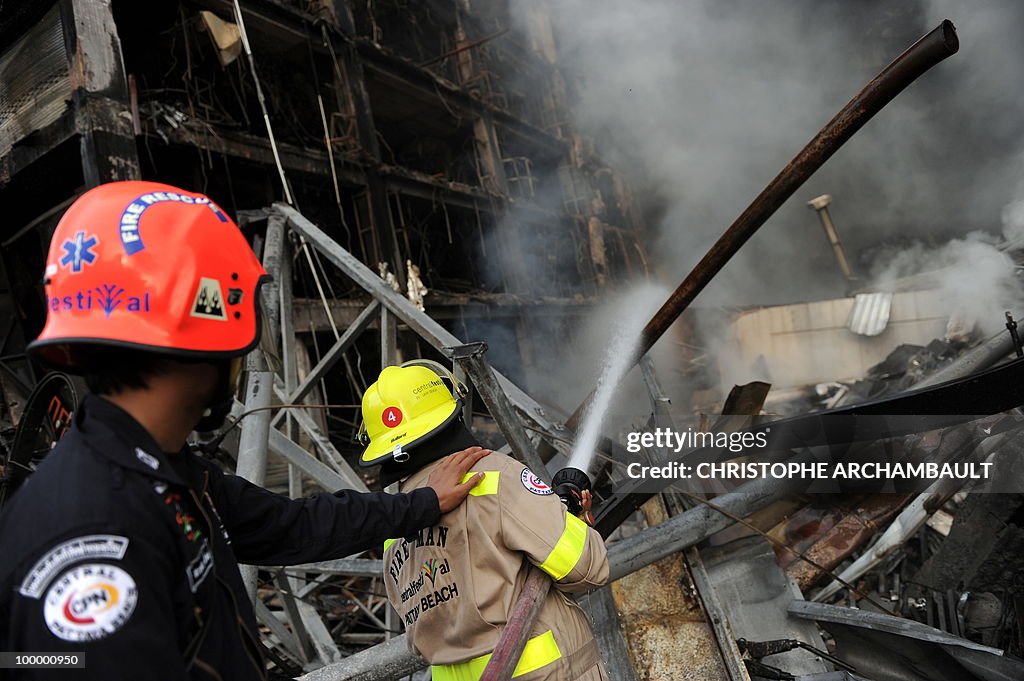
(263, 103)
(210, 446)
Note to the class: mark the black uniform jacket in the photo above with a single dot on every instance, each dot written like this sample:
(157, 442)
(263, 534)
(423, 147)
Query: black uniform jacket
(107, 550)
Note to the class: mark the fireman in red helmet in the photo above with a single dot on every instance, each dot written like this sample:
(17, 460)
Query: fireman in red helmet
(124, 546)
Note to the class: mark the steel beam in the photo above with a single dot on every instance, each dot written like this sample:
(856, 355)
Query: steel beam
(331, 357)
(324, 476)
(419, 322)
(324, 444)
(300, 637)
(715, 614)
(309, 314)
(273, 255)
(467, 402)
(601, 608)
(324, 645)
(695, 525)
(266, 617)
(717, 617)
(884, 622)
(388, 339)
(252, 444)
(255, 429)
(352, 567)
(471, 358)
(289, 361)
(383, 662)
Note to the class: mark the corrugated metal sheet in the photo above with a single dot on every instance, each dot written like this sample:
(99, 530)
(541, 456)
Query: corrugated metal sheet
(870, 313)
(809, 343)
(34, 81)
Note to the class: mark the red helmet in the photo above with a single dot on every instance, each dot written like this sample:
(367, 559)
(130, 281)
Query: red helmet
(151, 267)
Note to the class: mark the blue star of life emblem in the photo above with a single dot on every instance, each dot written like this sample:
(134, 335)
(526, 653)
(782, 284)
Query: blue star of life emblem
(78, 251)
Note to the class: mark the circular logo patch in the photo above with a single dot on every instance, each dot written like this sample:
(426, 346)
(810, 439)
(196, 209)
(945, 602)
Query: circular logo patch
(89, 602)
(535, 484)
(391, 417)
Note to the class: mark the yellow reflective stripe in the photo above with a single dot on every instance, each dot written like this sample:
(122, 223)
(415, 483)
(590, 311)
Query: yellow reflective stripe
(489, 485)
(539, 651)
(568, 550)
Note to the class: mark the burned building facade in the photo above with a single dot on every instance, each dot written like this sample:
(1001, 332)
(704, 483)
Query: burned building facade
(432, 140)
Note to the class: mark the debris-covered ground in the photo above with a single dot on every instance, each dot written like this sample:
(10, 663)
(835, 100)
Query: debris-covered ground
(907, 586)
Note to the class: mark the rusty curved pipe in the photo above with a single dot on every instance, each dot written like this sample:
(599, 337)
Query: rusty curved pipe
(883, 88)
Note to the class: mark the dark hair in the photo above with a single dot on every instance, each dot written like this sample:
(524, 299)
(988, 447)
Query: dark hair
(114, 370)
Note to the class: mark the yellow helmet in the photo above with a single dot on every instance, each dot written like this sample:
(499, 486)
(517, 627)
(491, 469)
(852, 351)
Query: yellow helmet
(406, 405)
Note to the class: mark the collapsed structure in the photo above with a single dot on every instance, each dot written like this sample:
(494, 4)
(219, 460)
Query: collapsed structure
(410, 174)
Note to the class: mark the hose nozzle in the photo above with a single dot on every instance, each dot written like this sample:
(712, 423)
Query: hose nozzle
(570, 484)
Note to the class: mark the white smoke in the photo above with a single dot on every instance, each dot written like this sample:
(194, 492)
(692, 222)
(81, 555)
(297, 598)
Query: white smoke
(977, 280)
(570, 364)
(701, 102)
(1013, 212)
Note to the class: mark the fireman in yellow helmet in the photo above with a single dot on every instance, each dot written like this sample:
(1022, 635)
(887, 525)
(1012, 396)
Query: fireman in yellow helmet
(454, 584)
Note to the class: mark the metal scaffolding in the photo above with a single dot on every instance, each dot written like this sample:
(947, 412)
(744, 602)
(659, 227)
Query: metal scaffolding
(297, 631)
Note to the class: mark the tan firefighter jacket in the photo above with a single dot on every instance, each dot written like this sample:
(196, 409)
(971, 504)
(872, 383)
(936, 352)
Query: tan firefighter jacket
(454, 584)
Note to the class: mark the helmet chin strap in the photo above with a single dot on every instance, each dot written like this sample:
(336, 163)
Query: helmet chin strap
(219, 406)
(215, 415)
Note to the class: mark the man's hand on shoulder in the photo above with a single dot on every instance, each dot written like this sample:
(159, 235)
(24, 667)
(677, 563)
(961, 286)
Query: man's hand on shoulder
(446, 479)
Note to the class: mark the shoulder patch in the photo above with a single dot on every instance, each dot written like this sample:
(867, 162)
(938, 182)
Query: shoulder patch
(147, 458)
(89, 547)
(90, 602)
(534, 484)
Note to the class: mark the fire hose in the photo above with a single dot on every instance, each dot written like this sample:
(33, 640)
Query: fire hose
(882, 89)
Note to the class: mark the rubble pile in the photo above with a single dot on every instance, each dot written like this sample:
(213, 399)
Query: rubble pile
(905, 586)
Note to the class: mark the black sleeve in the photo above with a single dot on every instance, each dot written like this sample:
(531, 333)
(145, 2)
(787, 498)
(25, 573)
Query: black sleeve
(117, 612)
(273, 529)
